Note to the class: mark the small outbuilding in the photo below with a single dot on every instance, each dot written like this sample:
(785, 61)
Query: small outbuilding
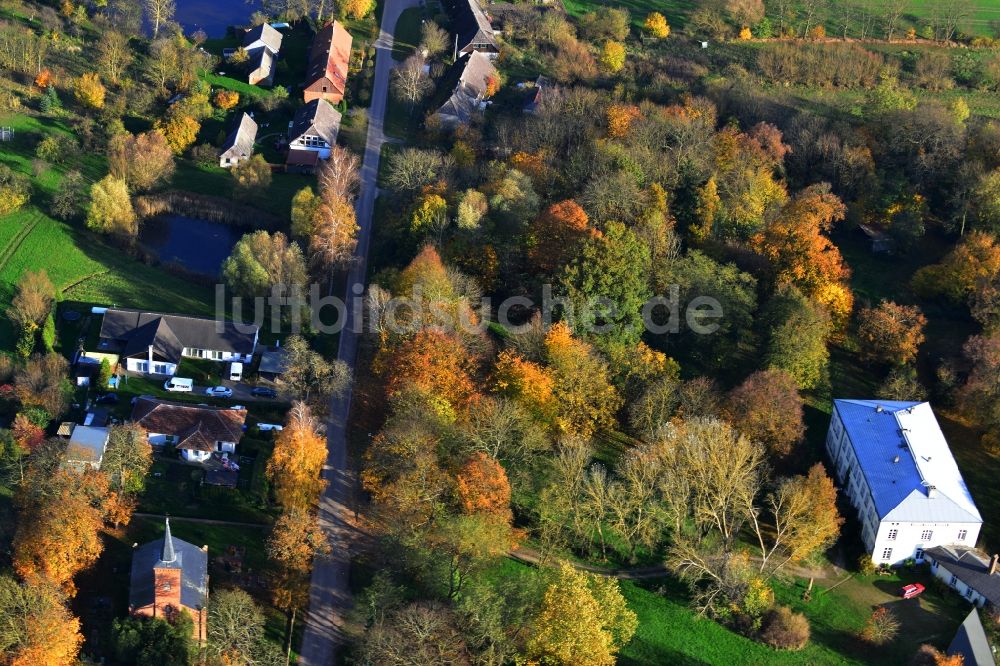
(239, 144)
(85, 449)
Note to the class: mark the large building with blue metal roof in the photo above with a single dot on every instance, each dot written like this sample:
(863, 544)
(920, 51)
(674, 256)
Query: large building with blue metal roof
(893, 463)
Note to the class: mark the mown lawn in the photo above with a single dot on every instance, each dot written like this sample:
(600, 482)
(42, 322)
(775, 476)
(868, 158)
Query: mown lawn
(406, 36)
(670, 632)
(676, 11)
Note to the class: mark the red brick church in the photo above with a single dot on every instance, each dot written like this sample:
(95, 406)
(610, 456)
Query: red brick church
(170, 575)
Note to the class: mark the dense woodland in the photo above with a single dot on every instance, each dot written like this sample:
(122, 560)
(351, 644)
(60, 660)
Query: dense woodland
(754, 172)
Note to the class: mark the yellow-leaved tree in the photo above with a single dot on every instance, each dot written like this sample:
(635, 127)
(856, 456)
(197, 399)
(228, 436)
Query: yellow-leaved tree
(37, 627)
(583, 620)
(297, 459)
(656, 25)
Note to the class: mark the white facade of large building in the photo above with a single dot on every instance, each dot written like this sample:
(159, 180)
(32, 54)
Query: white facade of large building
(893, 463)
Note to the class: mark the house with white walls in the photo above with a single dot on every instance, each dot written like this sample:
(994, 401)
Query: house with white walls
(154, 343)
(197, 431)
(892, 462)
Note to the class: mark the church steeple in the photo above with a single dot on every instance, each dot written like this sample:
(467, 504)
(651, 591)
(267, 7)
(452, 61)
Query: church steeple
(168, 555)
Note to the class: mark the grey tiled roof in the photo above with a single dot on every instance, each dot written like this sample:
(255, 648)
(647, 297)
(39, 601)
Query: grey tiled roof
(971, 642)
(317, 117)
(191, 560)
(267, 35)
(971, 567)
(169, 334)
(470, 22)
(240, 141)
(470, 89)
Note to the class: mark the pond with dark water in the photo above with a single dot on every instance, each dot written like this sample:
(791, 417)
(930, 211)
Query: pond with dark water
(214, 16)
(200, 246)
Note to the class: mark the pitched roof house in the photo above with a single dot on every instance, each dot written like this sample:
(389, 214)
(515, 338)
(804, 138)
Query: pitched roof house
(894, 465)
(972, 643)
(85, 449)
(239, 143)
(263, 36)
(170, 575)
(473, 29)
(153, 343)
(196, 431)
(474, 73)
(314, 128)
(326, 75)
(543, 88)
(972, 573)
(262, 44)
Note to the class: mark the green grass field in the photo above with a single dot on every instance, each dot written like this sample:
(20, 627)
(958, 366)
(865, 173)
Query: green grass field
(670, 632)
(406, 36)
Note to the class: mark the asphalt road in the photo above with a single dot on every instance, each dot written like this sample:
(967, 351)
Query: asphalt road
(330, 594)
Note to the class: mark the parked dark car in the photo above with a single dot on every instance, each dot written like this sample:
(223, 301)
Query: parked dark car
(263, 392)
(107, 399)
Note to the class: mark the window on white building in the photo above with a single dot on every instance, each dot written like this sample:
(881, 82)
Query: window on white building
(969, 592)
(954, 579)
(962, 534)
(926, 535)
(892, 534)
(887, 554)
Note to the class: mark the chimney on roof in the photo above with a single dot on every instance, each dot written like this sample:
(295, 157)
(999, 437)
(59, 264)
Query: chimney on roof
(896, 459)
(931, 492)
(993, 564)
(878, 408)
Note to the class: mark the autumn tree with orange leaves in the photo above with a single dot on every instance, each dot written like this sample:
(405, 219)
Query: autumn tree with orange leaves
(526, 383)
(297, 459)
(620, 118)
(801, 254)
(974, 260)
(582, 387)
(891, 333)
(556, 235)
(434, 362)
(36, 628)
(483, 487)
(58, 532)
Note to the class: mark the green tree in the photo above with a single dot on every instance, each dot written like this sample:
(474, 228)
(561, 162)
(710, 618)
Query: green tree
(15, 190)
(251, 178)
(697, 275)
(608, 283)
(308, 374)
(797, 330)
(235, 627)
(261, 260)
(147, 640)
(70, 196)
(103, 374)
(612, 58)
